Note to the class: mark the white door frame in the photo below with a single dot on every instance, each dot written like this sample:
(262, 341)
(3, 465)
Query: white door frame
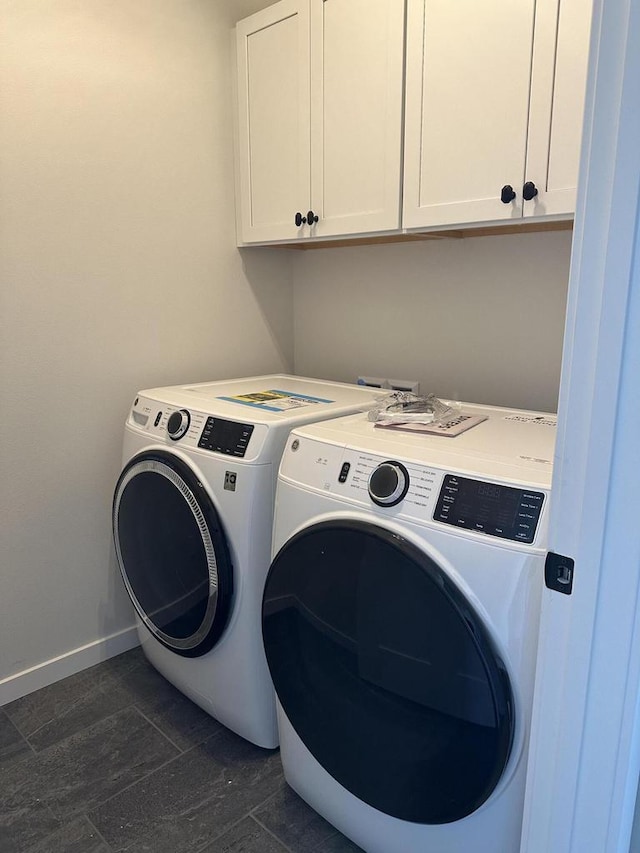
(585, 746)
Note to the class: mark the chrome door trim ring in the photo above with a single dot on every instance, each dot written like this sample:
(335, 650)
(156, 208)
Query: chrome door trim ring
(157, 467)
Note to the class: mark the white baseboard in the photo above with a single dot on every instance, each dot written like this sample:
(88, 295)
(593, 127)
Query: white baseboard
(50, 671)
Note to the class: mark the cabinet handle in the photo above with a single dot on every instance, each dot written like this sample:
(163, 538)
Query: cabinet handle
(529, 191)
(300, 219)
(311, 217)
(507, 194)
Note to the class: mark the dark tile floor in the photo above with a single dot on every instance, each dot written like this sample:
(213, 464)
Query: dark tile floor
(116, 759)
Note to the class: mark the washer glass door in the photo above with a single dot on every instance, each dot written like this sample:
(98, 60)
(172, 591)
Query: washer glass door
(172, 552)
(386, 672)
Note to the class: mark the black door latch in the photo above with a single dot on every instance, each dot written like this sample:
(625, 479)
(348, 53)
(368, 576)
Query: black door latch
(558, 573)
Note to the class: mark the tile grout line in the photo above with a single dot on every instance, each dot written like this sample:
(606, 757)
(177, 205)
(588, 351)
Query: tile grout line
(66, 712)
(286, 846)
(98, 833)
(126, 788)
(32, 752)
(21, 735)
(151, 772)
(136, 782)
(257, 820)
(272, 834)
(239, 820)
(264, 802)
(218, 835)
(57, 829)
(58, 743)
(235, 823)
(164, 734)
(88, 689)
(108, 680)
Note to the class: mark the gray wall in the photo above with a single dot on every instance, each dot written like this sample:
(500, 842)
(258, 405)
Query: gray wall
(478, 319)
(118, 271)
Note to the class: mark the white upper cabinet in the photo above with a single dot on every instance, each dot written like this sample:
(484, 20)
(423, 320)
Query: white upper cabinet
(357, 56)
(273, 120)
(320, 119)
(559, 75)
(493, 113)
(493, 104)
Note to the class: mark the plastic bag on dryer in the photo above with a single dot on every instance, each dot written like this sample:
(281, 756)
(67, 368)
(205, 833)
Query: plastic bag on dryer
(405, 407)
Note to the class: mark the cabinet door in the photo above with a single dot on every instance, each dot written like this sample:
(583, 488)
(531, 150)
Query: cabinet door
(273, 121)
(357, 49)
(559, 73)
(468, 77)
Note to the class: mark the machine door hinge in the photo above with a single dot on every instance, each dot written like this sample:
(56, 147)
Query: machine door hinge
(558, 573)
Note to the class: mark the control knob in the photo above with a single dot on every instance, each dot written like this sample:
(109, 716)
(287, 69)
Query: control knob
(389, 483)
(178, 424)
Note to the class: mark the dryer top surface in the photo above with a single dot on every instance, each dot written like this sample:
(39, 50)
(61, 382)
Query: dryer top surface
(274, 399)
(509, 444)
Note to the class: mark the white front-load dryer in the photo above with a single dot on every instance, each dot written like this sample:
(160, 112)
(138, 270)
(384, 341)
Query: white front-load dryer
(400, 622)
(192, 522)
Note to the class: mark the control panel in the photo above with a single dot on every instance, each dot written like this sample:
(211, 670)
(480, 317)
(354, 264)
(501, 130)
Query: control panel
(224, 436)
(489, 508)
(195, 429)
(415, 492)
(390, 483)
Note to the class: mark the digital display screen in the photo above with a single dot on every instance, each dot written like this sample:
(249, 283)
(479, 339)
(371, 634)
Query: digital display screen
(496, 510)
(228, 437)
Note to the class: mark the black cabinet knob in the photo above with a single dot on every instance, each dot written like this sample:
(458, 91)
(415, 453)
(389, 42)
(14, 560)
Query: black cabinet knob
(508, 194)
(529, 191)
(311, 217)
(300, 219)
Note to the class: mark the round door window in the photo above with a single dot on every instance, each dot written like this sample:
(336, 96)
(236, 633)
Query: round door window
(172, 552)
(386, 672)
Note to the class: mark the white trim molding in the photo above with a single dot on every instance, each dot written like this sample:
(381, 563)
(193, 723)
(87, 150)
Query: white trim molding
(50, 671)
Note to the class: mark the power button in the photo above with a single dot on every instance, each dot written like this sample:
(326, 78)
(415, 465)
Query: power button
(344, 472)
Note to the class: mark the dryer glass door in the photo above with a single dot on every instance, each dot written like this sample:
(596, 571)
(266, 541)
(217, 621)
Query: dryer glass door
(386, 672)
(172, 552)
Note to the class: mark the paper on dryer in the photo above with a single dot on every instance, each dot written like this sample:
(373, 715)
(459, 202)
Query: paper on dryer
(450, 428)
(275, 400)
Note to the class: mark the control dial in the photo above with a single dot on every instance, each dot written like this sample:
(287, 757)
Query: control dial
(389, 483)
(178, 424)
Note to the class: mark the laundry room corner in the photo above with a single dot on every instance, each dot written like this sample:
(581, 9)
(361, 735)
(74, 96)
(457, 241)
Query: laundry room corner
(269, 276)
(120, 271)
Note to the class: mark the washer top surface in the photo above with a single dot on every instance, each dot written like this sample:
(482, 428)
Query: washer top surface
(274, 400)
(510, 445)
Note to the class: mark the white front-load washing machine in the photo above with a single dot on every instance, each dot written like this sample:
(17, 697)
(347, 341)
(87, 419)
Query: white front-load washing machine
(400, 622)
(192, 522)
